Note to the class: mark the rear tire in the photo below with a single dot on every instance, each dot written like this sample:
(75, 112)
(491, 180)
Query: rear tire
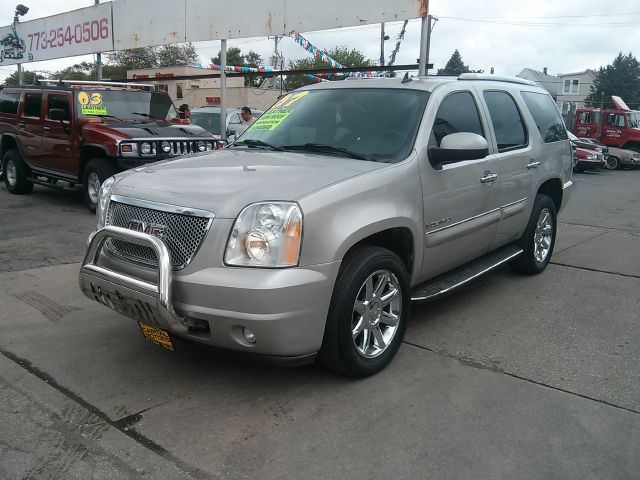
(612, 163)
(95, 173)
(539, 238)
(16, 173)
(371, 299)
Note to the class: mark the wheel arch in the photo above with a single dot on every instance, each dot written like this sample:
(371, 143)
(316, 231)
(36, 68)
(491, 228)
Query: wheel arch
(632, 145)
(553, 189)
(88, 152)
(9, 141)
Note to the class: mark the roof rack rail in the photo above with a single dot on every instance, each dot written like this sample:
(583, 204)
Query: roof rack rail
(147, 86)
(49, 81)
(495, 78)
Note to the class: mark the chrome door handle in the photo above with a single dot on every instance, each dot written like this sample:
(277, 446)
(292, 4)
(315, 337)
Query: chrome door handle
(46, 128)
(21, 124)
(531, 165)
(488, 177)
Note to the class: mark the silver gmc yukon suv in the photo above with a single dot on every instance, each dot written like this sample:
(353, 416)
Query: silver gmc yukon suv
(311, 236)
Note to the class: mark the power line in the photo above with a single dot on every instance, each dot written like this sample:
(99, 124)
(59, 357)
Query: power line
(542, 24)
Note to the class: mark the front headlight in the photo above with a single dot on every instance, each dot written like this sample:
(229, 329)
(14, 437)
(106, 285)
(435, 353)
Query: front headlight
(146, 148)
(103, 201)
(266, 234)
(202, 146)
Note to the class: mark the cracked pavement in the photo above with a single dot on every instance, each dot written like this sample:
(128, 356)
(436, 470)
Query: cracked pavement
(510, 377)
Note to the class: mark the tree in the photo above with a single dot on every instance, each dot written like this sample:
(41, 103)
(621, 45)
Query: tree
(455, 66)
(88, 71)
(236, 58)
(341, 54)
(145, 57)
(177, 55)
(28, 76)
(621, 78)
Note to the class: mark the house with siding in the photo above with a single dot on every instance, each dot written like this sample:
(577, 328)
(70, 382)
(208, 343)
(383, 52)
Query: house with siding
(546, 81)
(573, 88)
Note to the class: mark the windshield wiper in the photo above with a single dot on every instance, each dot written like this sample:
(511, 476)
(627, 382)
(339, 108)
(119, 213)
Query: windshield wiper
(324, 148)
(146, 115)
(101, 116)
(259, 143)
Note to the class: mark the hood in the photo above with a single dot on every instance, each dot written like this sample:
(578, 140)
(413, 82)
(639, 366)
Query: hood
(226, 181)
(155, 130)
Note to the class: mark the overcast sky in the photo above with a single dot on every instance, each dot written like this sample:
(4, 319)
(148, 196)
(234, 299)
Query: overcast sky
(567, 36)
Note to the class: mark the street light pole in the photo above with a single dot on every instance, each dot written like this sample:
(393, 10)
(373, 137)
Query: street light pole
(382, 44)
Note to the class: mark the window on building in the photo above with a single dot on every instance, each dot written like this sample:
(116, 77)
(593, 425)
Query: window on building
(567, 86)
(194, 85)
(546, 116)
(9, 102)
(33, 105)
(575, 86)
(457, 113)
(162, 87)
(60, 102)
(507, 122)
(178, 90)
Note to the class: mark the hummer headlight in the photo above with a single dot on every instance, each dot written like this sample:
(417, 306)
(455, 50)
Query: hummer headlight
(145, 148)
(266, 234)
(166, 147)
(202, 146)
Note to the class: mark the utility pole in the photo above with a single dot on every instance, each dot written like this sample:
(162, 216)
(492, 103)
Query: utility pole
(98, 59)
(382, 39)
(223, 89)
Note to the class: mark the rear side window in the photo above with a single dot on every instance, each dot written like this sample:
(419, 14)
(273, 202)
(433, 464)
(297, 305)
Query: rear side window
(9, 102)
(506, 120)
(60, 102)
(546, 116)
(457, 113)
(32, 104)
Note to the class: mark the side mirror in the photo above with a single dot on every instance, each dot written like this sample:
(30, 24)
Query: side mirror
(231, 132)
(457, 147)
(58, 114)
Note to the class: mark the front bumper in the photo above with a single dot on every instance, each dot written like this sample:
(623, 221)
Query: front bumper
(286, 309)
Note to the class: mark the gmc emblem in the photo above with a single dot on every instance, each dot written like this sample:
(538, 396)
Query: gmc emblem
(152, 228)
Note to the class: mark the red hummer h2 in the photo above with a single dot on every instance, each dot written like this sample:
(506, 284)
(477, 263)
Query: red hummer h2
(71, 133)
(619, 127)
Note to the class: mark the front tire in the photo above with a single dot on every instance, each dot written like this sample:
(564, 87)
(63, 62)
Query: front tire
(612, 163)
(368, 314)
(95, 173)
(539, 238)
(16, 173)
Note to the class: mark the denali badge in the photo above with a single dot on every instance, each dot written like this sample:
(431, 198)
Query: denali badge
(151, 229)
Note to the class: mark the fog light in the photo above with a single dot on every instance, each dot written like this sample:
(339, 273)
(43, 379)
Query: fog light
(249, 336)
(145, 148)
(202, 146)
(166, 147)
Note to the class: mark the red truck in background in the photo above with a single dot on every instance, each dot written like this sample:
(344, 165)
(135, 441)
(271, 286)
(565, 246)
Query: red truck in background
(618, 127)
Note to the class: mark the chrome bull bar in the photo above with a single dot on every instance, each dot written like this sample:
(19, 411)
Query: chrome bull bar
(130, 296)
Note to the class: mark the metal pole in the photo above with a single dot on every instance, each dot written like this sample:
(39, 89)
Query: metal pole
(223, 89)
(20, 76)
(98, 60)
(426, 68)
(424, 35)
(382, 44)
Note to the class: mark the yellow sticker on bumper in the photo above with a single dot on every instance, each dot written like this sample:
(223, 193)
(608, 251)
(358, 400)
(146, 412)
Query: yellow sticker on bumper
(156, 335)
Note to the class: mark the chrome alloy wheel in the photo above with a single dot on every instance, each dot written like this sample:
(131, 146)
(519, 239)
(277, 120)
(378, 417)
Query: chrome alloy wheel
(11, 173)
(376, 313)
(543, 236)
(93, 187)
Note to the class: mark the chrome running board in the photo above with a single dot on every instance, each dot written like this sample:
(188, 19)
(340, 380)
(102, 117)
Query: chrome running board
(462, 275)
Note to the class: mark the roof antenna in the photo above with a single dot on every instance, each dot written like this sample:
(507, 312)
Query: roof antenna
(406, 78)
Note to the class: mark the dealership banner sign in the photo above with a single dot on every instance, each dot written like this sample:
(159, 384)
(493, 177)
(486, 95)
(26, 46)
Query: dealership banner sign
(124, 24)
(80, 32)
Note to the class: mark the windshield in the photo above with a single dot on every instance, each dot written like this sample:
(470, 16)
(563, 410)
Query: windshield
(371, 123)
(125, 104)
(210, 121)
(632, 119)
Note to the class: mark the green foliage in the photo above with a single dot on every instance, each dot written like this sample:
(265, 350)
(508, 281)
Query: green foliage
(455, 66)
(621, 78)
(236, 58)
(177, 55)
(28, 76)
(341, 54)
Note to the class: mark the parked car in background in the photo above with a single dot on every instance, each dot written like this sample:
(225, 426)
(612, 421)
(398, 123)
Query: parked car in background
(620, 158)
(312, 234)
(209, 119)
(67, 133)
(587, 153)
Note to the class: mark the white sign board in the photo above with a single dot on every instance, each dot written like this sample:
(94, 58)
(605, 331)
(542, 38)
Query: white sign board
(79, 32)
(124, 24)
(170, 21)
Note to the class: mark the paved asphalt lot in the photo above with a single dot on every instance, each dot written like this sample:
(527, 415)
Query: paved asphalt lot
(513, 377)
